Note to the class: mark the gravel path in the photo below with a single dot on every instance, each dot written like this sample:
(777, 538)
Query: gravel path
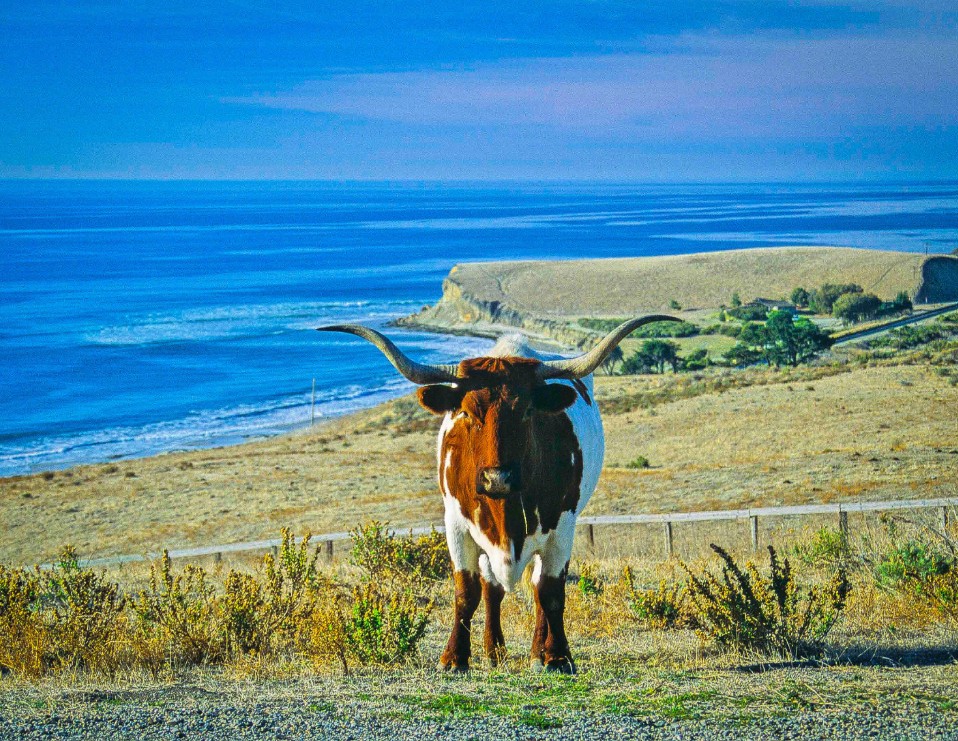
(113, 718)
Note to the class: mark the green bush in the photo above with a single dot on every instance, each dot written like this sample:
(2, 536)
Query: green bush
(380, 553)
(638, 462)
(744, 610)
(590, 583)
(911, 564)
(854, 307)
(827, 547)
(383, 628)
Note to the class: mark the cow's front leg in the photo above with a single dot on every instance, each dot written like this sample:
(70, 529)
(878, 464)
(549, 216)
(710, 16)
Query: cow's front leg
(493, 640)
(458, 649)
(550, 609)
(465, 562)
(550, 648)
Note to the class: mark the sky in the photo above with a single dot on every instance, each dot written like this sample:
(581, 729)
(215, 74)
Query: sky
(647, 90)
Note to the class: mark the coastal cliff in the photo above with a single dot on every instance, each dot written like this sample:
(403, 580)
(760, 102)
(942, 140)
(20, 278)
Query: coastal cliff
(545, 298)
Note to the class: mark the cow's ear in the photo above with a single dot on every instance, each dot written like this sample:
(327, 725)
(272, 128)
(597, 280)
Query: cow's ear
(553, 398)
(440, 399)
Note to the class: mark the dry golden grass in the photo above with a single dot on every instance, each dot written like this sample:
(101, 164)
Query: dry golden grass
(857, 434)
(624, 286)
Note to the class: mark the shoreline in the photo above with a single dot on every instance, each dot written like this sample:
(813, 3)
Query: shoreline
(487, 300)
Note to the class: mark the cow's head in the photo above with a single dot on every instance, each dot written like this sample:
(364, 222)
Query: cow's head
(492, 411)
(493, 402)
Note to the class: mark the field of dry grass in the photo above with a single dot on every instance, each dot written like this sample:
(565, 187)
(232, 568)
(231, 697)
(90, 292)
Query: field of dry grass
(632, 286)
(832, 434)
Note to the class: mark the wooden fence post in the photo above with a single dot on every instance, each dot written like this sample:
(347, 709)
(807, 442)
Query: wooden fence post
(943, 519)
(590, 534)
(217, 557)
(843, 523)
(753, 527)
(275, 551)
(329, 550)
(668, 539)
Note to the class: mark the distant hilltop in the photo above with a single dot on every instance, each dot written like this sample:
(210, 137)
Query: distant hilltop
(544, 296)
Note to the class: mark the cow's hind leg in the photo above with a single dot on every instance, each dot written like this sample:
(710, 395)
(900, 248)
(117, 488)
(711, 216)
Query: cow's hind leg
(493, 640)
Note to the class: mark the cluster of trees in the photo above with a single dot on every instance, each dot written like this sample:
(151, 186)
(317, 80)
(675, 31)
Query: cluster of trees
(781, 340)
(655, 355)
(849, 301)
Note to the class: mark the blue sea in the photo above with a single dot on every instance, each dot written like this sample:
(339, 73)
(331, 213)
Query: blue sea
(138, 318)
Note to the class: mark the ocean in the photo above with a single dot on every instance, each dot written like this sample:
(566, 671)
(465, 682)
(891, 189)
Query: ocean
(141, 317)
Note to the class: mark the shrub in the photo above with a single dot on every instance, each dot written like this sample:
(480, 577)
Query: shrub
(665, 607)
(742, 609)
(749, 313)
(178, 611)
(696, 360)
(667, 329)
(638, 462)
(590, 583)
(382, 628)
(67, 618)
(827, 547)
(22, 634)
(382, 554)
(853, 307)
(82, 611)
(913, 564)
(906, 338)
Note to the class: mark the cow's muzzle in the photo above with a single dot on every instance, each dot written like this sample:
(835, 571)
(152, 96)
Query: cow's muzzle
(498, 482)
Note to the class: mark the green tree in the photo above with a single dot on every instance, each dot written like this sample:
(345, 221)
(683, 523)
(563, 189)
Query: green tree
(800, 297)
(782, 340)
(853, 307)
(741, 355)
(653, 355)
(736, 300)
(790, 341)
(822, 299)
(696, 360)
(612, 359)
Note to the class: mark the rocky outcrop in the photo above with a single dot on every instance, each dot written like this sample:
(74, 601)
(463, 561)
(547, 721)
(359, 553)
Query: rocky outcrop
(939, 280)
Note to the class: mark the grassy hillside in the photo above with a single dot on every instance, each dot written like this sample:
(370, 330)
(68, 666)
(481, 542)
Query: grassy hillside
(714, 440)
(613, 287)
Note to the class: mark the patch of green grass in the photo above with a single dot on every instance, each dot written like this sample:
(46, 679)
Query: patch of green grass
(535, 719)
(453, 704)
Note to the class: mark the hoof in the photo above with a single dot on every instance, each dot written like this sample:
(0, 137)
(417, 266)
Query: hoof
(496, 657)
(453, 668)
(560, 666)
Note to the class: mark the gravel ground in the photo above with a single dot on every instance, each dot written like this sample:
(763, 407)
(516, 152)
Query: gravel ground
(104, 716)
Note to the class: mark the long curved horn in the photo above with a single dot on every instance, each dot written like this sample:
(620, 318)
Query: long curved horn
(416, 372)
(583, 365)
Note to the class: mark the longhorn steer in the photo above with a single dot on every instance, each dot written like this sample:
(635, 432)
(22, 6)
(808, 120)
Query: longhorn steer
(518, 458)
